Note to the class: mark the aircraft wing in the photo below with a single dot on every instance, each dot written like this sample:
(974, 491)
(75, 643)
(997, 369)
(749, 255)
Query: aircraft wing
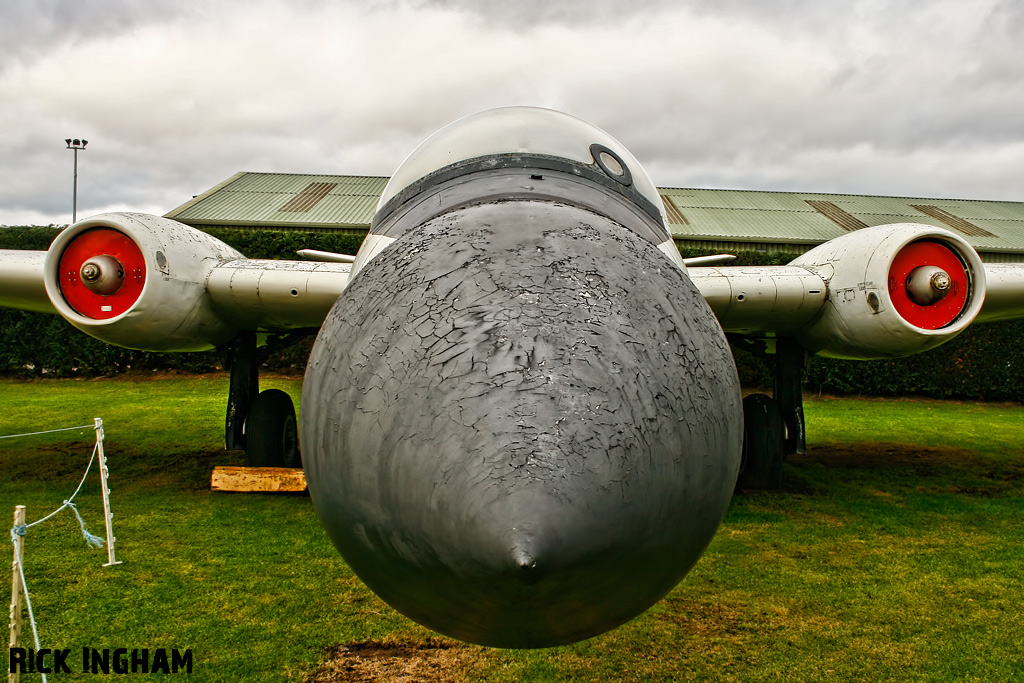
(208, 292)
(761, 300)
(1004, 292)
(151, 283)
(21, 281)
(880, 292)
(781, 299)
(269, 295)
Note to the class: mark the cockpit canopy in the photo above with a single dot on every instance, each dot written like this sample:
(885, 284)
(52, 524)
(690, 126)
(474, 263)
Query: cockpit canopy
(522, 130)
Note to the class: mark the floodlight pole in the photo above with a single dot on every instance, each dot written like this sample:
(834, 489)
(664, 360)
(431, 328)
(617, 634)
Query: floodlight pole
(76, 145)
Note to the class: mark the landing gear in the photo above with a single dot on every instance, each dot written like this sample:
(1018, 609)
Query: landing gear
(790, 363)
(773, 427)
(763, 435)
(242, 360)
(271, 436)
(261, 423)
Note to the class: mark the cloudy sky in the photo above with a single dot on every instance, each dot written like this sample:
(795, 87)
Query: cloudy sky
(902, 97)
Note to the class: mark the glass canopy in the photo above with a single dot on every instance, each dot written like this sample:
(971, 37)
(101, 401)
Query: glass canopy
(522, 130)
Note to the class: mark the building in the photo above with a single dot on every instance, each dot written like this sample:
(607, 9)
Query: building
(719, 220)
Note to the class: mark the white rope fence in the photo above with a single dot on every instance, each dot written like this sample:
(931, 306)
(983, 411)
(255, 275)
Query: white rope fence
(48, 431)
(19, 588)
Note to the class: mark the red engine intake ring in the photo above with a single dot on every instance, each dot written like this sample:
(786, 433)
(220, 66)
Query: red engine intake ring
(945, 310)
(101, 242)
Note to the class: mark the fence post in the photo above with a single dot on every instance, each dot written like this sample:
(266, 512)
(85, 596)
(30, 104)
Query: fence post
(107, 515)
(16, 588)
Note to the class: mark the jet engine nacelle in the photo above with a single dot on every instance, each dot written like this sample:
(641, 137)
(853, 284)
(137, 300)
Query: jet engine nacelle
(138, 281)
(893, 290)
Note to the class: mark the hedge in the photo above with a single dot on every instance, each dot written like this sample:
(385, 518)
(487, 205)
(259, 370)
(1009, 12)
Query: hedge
(985, 362)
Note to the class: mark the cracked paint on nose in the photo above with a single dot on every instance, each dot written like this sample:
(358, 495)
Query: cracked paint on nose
(521, 424)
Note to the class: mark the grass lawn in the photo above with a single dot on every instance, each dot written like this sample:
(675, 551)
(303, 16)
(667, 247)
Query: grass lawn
(893, 553)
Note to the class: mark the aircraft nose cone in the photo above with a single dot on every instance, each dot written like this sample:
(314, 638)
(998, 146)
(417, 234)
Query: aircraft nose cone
(521, 424)
(523, 559)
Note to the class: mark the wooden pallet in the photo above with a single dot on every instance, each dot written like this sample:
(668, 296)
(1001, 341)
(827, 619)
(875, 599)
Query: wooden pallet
(258, 479)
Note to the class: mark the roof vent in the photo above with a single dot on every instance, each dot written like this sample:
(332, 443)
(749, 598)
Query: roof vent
(836, 215)
(955, 222)
(674, 214)
(308, 198)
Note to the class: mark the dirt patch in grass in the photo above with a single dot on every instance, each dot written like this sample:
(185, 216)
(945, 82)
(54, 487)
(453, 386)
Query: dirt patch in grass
(703, 619)
(386, 661)
(51, 462)
(874, 455)
(948, 470)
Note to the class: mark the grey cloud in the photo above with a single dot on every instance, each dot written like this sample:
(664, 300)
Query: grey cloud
(883, 97)
(33, 28)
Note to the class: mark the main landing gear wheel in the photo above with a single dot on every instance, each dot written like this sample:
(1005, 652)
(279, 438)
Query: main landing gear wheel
(763, 439)
(271, 434)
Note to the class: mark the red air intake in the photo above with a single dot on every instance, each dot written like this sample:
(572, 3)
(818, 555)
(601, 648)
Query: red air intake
(950, 301)
(102, 273)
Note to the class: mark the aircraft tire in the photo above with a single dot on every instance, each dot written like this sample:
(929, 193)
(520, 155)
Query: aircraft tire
(272, 437)
(763, 440)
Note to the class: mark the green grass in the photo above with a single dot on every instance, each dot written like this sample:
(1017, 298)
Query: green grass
(893, 553)
(989, 428)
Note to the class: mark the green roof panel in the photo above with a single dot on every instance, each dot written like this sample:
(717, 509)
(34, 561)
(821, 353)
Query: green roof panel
(269, 200)
(325, 202)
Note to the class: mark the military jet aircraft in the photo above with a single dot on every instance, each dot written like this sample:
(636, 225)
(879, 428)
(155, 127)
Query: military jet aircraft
(521, 419)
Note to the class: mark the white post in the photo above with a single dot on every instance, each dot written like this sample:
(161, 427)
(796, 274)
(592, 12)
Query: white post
(16, 588)
(107, 515)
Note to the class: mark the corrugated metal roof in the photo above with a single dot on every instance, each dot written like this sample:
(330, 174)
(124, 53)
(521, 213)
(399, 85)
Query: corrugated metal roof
(791, 217)
(696, 215)
(285, 200)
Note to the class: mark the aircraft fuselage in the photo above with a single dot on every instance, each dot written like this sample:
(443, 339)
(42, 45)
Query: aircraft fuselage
(522, 420)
